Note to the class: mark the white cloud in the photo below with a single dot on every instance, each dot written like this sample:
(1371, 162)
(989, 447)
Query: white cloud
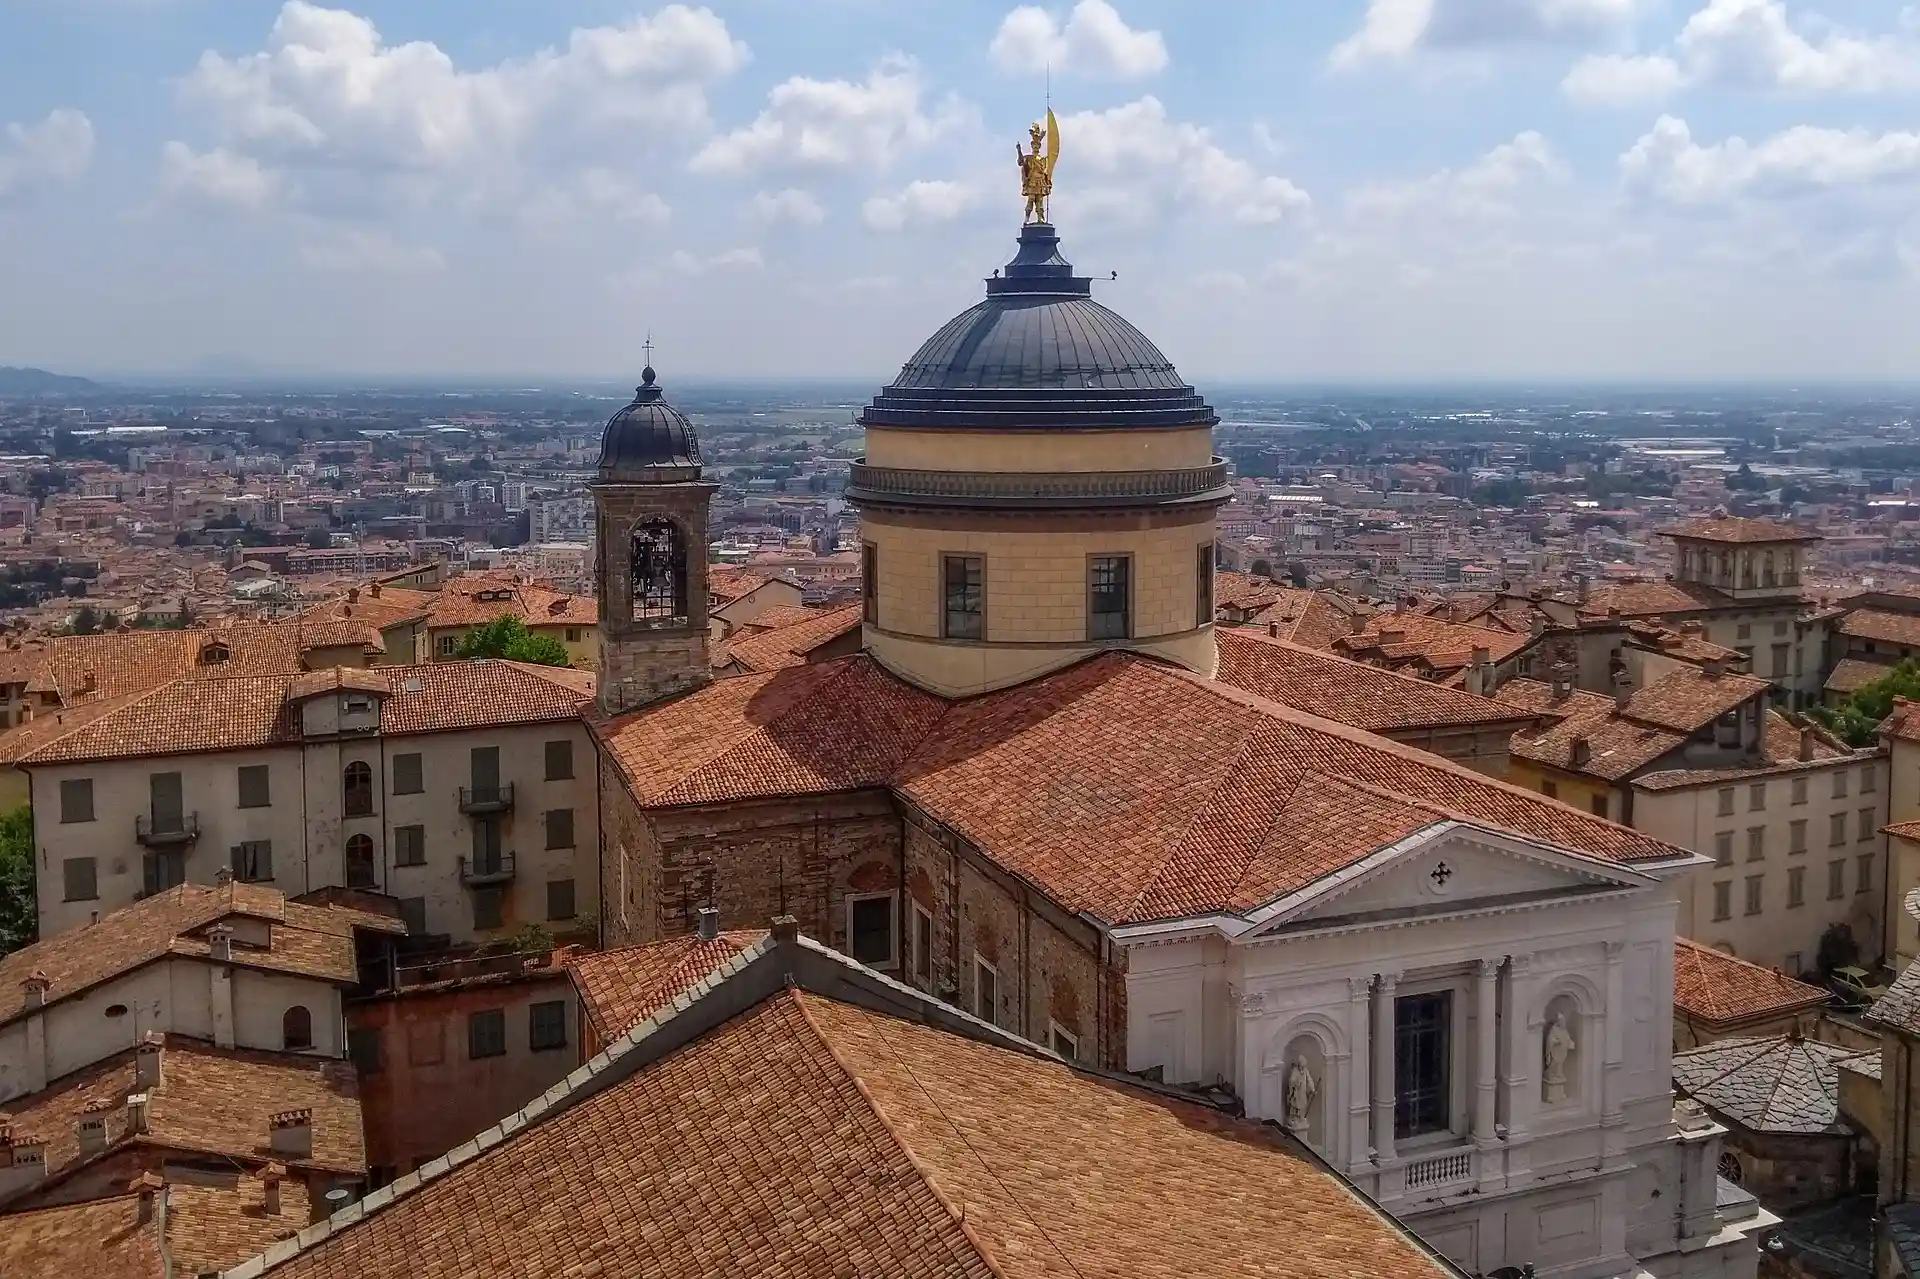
(789, 204)
(56, 150)
(1094, 40)
(919, 204)
(1751, 44)
(593, 194)
(1140, 160)
(216, 179)
(832, 124)
(746, 258)
(329, 95)
(1668, 165)
(1394, 30)
(356, 249)
(1487, 188)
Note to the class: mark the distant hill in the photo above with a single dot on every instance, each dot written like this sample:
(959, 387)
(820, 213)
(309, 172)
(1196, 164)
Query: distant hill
(40, 382)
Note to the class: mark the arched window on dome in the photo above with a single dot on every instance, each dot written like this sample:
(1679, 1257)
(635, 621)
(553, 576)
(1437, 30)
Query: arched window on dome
(660, 573)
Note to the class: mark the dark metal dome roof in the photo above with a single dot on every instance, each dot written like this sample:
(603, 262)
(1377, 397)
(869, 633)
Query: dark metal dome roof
(1039, 351)
(647, 436)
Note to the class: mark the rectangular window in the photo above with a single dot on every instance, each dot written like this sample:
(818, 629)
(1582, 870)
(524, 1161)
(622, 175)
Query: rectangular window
(82, 879)
(1745, 631)
(1869, 780)
(870, 583)
(1063, 1042)
(253, 861)
(559, 828)
(413, 913)
(1781, 660)
(76, 800)
(363, 1049)
(1799, 790)
(559, 760)
(573, 634)
(1757, 797)
(870, 929)
(986, 991)
(1723, 900)
(1203, 585)
(1599, 805)
(1726, 801)
(1836, 829)
(486, 907)
(483, 771)
(161, 871)
(409, 778)
(922, 945)
(1756, 843)
(1550, 789)
(1867, 824)
(1723, 848)
(166, 801)
(409, 845)
(1836, 880)
(963, 579)
(1797, 836)
(446, 645)
(253, 787)
(1422, 1063)
(560, 899)
(1109, 597)
(1839, 783)
(1755, 883)
(1797, 886)
(1793, 963)
(547, 1025)
(1863, 879)
(487, 1034)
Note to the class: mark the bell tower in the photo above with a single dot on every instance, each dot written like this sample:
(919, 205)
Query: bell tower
(650, 507)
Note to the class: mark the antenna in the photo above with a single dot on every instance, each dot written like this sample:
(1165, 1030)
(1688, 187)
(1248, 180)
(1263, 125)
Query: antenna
(647, 346)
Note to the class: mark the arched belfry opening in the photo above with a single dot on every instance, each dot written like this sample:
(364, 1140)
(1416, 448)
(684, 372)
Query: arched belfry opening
(659, 569)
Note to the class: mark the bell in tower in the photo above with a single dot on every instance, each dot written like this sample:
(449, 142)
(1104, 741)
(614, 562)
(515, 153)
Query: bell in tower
(650, 508)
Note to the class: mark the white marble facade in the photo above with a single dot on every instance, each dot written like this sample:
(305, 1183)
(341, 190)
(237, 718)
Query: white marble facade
(1581, 1170)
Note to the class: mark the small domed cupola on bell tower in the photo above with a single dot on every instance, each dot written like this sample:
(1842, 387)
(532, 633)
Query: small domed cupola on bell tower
(650, 507)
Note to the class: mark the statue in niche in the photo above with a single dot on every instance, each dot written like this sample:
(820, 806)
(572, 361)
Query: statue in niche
(1300, 1092)
(1560, 1046)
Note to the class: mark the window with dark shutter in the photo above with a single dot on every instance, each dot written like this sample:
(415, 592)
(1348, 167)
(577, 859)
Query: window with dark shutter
(560, 903)
(487, 1034)
(870, 930)
(364, 1049)
(547, 1025)
(486, 907)
(409, 845)
(82, 879)
(253, 787)
(559, 760)
(76, 800)
(559, 828)
(253, 860)
(408, 776)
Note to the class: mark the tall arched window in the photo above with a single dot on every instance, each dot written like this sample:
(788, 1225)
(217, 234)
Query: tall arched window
(359, 790)
(360, 862)
(296, 1028)
(659, 569)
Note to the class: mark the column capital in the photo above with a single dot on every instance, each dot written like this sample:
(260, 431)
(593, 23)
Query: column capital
(1386, 981)
(1358, 988)
(1615, 949)
(1519, 965)
(1489, 969)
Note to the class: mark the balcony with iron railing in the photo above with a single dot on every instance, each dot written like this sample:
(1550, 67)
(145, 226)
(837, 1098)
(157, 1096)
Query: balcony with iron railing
(887, 485)
(166, 830)
(478, 872)
(486, 799)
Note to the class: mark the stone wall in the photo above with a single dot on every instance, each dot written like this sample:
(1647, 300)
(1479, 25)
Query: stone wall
(638, 669)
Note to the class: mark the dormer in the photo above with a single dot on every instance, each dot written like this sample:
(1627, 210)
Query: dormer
(214, 653)
(338, 701)
(1744, 558)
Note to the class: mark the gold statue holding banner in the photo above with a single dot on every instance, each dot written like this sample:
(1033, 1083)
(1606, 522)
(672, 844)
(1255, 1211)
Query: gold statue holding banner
(1036, 170)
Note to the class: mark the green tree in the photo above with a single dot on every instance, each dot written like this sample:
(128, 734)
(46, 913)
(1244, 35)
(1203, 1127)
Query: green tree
(86, 621)
(509, 637)
(18, 916)
(1857, 718)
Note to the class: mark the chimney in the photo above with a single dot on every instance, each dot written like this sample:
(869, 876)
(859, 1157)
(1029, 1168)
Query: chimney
(28, 1167)
(147, 1185)
(137, 1112)
(87, 683)
(1581, 588)
(220, 938)
(1537, 626)
(290, 1133)
(1482, 655)
(1806, 744)
(374, 590)
(1393, 637)
(1356, 623)
(36, 984)
(223, 876)
(92, 1129)
(1622, 691)
(353, 595)
(1581, 753)
(1273, 630)
(1713, 668)
(148, 1070)
(709, 923)
(1562, 685)
(1613, 612)
(270, 1178)
(786, 929)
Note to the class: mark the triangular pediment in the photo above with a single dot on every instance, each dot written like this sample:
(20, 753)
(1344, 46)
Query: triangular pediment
(1448, 869)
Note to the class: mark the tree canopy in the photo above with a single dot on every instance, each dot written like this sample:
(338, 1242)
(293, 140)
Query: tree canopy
(18, 913)
(1858, 716)
(509, 637)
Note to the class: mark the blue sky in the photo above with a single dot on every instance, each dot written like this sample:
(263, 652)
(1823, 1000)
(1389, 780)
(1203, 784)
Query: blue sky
(1296, 190)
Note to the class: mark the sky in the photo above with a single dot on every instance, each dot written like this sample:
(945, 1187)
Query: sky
(1288, 190)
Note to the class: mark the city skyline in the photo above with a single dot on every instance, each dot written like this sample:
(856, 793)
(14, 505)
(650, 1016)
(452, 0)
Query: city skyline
(1404, 191)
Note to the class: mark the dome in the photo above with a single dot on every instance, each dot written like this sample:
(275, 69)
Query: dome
(647, 437)
(1038, 351)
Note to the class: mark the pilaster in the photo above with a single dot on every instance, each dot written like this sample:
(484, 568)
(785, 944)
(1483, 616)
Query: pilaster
(1383, 1083)
(1520, 1084)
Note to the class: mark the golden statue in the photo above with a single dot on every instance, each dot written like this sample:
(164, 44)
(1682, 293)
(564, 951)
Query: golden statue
(1036, 170)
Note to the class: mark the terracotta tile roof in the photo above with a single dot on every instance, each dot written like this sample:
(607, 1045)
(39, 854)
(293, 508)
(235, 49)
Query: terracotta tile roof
(1780, 752)
(811, 1138)
(1348, 692)
(211, 1101)
(1905, 830)
(393, 606)
(789, 645)
(1714, 986)
(1648, 599)
(1903, 721)
(211, 1226)
(310, 940)
(1685, 645)
(1245, 593)
(626, 985)
(1432, 641)
(459, 603)
(1733, 529)
(341, 633)
(730, 584)
(247, 712)
(772, 619)
(1313, 618)
(104, 1238)
(1688, 699)
(1776, 1083)
(1850, 674)
(1878, 624)
(1597, 737)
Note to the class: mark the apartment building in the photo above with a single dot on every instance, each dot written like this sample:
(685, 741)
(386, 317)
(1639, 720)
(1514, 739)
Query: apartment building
(465, 790)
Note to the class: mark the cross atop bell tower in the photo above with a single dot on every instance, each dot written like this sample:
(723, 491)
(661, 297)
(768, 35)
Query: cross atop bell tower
(650, 507)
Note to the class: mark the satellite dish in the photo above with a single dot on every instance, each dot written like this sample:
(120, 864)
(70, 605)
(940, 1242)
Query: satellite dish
(339, 1194)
